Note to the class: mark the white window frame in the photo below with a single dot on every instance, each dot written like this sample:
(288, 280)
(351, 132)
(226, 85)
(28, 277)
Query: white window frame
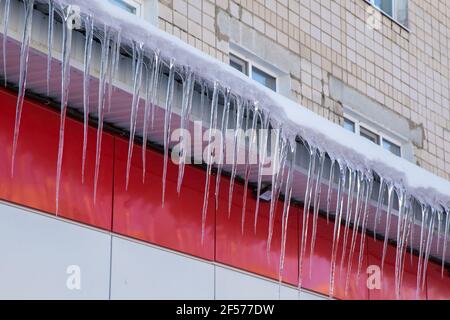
(250, 64)
(137, 4)
(394, 12)
(382, 135)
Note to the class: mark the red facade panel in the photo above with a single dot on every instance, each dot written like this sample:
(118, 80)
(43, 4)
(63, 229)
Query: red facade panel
(34, 181)
(138, 211)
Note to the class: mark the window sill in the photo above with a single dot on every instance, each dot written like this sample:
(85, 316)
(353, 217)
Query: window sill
(402, 26)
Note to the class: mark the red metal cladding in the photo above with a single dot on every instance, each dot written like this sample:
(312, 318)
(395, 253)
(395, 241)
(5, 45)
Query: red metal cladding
(316, 269)
(247, 250)
(438, 287)
(387, 290)
(138, 211)
(34, 180)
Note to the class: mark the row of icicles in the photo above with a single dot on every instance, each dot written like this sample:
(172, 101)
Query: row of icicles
(350, 212)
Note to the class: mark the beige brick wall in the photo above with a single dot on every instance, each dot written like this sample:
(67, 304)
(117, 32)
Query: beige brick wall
(406, 71)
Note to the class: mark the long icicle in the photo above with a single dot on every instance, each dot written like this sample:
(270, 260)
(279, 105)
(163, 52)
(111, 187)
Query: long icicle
(104, 63)
(24, 52)
(89, 26)
(305, 218)
(278, 164)
(223, 128)
(65, 82)
(186, 105)
(237, 141)
(348, 213)
(444, 249)
(263, 138)
(287, 206)
(428, 246)
(356, 221)
(137, 82)
(167, 122)
(379, 206)
(51, 20)
(212, 127)
(439, 220)
(330, 188)
(150, 102)
(317, 194)
(337, 226)
(388, 224)
(5, 36)
(248, 163)
(399, 238)
(424, 216)
(365, 218)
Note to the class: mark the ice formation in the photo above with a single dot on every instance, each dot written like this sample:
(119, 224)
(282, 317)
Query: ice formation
(355, 162)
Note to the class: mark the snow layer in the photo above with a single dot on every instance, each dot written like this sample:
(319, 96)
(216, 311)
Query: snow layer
(295, 119)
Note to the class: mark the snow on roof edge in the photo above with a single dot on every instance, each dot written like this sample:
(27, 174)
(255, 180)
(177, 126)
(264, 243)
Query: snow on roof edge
(296, 119)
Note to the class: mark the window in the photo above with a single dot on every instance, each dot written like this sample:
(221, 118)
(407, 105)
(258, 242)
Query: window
(132, 6)
(396, 9)
(248, 68)
(373, 135)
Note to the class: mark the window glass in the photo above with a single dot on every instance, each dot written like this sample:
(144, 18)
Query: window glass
(238, 64)
(385, 6)
(124, 5)
(369, 135)
(401, 8)
(349, 125)
(392, 147)
(264, 78)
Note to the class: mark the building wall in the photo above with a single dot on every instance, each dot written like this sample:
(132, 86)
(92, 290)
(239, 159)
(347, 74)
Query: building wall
(118, 240)
(403, 72)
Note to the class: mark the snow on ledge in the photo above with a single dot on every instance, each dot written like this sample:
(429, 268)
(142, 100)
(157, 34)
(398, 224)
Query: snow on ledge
(339, 143)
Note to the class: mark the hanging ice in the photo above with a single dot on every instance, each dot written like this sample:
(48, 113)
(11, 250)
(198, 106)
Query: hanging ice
(65, 82)
(5, 36)
(24, 51)
(89, 26)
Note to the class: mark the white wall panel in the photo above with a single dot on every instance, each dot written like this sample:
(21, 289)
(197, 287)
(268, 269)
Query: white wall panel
(140, 271)
(232, 284)
(36, 251)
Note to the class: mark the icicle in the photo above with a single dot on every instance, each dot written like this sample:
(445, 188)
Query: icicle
(369, 187)
(439, 217)
(330, 188)
(115, 55)
(252, 141)
(424, 215)
(428, 246)
(388, 224)
(89, 26)
(399, 238)
(337, 226)
(317, 193)
(65, 82)
(263, 140)
(379, 206)
(237, 140)
(406, 231)
(186, 105)
(24, 50)
(223, 128)
(104, 62)
(212, 127)
(286, 207)
(444, 249)
(150, 102)
(51, 20)
(307, 204)
(167, 121)
(356, 220)
(278, 164)
(348, 214)
(5, 35)
(137, 81)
